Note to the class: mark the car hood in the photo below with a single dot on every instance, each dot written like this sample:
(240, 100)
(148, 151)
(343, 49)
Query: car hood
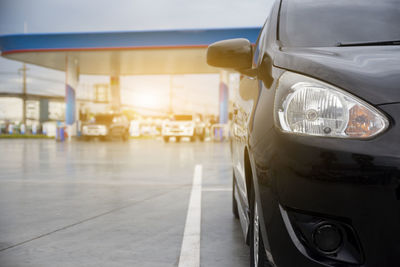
(372, 73)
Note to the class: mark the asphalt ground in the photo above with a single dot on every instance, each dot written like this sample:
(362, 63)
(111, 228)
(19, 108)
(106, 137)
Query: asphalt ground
(117, 204)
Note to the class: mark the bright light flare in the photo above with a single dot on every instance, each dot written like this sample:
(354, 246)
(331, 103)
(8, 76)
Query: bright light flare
(147, 100)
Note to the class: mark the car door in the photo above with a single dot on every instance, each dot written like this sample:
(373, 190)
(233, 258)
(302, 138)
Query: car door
(245, 99)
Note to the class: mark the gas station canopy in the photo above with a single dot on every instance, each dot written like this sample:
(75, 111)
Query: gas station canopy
(122, 53)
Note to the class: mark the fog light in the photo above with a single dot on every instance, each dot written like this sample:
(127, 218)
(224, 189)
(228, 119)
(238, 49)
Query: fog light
(327, 238)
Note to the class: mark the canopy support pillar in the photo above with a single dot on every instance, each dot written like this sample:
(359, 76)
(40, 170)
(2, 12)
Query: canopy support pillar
(115, 93)
(71, 84)
(223, 96)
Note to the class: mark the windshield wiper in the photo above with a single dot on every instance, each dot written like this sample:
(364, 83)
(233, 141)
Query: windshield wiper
(395, 42)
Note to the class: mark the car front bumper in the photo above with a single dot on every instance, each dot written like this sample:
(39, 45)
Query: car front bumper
(353, 183)
(94, 132)
(178, 132)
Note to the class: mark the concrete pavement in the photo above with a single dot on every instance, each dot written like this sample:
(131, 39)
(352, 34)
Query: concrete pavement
(113, 203)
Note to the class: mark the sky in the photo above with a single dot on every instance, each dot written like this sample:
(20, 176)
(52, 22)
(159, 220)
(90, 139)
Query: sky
(51, 16)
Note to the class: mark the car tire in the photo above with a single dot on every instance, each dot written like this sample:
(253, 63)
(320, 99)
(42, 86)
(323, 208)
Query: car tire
(125, 136)
(166, 139)
(235, 210)
(258, 257)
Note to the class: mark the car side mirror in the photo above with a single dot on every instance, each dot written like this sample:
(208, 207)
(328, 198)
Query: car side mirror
(265, 71)
(234, 54)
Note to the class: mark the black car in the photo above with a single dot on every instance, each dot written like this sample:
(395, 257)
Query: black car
(106, 127)
(315, 142)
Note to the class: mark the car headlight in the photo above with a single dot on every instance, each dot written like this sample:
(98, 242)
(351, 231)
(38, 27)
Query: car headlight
(307, 106)
(84, 129)
(102, 129)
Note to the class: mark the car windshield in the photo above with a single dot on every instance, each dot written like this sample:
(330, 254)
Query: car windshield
(322, 23)
(183, 117)
(104, 118)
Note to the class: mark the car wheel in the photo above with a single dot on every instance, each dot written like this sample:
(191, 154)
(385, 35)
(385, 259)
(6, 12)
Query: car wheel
(235, 210)
(258, 258)
(125, 136)
(166, 139)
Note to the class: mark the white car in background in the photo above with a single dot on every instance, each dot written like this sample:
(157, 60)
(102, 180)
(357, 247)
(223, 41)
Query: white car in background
(179, 126)
(134, 128)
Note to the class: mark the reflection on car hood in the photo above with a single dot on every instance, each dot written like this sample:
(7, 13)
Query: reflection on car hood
(372, 73)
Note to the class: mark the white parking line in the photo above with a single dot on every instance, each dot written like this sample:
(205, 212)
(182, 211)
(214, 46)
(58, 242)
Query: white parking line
(190, 251)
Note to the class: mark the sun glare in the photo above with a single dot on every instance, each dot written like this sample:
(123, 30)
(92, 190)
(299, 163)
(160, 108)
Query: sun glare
(147, 100)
